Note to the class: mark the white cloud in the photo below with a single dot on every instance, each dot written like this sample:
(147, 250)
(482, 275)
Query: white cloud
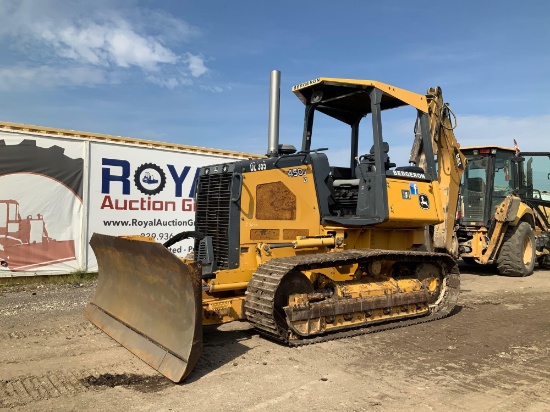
(105, 44)
(473, 130)
(196, 65)
(213, 89)
(22, 77)
(55, 33)
(530, 132)
(166, 28)
(170, 82)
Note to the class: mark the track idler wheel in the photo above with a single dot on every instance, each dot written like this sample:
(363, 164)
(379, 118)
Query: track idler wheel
(293, 283)
(431, 277)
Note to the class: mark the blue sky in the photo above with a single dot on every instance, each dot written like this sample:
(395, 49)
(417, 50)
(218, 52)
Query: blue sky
(197, 72)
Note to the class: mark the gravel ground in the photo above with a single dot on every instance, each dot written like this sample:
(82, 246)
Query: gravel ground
(492, 354)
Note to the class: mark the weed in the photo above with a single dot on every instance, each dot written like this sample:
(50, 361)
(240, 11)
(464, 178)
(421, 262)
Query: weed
(77, 276)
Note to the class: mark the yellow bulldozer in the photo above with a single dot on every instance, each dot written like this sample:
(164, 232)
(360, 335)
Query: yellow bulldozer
(302, 250)
(504, 213)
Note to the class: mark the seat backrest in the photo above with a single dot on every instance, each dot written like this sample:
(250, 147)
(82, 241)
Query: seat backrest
(476, 184)
(385, 156)
(385, 148)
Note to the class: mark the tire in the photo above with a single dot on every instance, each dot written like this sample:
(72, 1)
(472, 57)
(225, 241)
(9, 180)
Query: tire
(517, 254)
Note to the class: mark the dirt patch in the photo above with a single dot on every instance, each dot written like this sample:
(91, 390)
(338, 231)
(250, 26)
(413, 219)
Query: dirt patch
(491, 354)
(140, 383)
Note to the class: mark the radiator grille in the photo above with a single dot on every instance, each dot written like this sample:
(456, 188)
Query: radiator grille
(212, 215)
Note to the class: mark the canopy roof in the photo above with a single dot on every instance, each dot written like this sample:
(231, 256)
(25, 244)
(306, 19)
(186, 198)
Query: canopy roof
(508, 149)
(348, 100)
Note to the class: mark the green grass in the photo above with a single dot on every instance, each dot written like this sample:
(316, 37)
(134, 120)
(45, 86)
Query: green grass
(78, 276)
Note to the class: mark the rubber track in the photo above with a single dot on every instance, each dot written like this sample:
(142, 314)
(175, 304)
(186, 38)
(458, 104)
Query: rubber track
(259, 302)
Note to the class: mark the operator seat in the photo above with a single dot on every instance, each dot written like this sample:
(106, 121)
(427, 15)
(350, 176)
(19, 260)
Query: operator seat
(476, 184)
(369, 158)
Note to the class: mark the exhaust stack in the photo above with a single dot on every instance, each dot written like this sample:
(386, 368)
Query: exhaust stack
(274, 106)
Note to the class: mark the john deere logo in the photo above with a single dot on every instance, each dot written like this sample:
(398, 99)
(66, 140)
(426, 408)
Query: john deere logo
(424, 202)
(149, 179)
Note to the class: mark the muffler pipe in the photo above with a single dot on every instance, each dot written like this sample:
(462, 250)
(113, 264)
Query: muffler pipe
(274, 106)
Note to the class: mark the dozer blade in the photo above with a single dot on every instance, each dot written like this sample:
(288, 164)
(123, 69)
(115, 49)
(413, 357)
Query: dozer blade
(149, 301)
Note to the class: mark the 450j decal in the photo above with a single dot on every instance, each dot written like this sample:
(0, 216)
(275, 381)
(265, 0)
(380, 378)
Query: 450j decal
(297, 172)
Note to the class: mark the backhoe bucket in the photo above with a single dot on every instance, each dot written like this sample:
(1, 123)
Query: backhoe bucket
(149, 301)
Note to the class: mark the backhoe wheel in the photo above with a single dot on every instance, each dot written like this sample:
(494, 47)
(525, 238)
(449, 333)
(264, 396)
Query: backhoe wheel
(517, 253)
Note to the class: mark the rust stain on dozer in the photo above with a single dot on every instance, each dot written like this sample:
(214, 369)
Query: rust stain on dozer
(148, 300)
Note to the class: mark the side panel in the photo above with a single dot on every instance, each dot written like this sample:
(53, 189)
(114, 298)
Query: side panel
(277, 205)
(390, 239)
(412, 203)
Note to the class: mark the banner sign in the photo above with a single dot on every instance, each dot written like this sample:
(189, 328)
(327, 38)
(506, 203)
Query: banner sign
(55, 192)
(41, 198)
(143, 191)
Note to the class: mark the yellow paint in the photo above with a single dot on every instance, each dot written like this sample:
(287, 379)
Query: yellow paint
(406, 212)
(369, 286)
(222, 310)
(303, 187)
(415, 100)
(523, 212)
(361, 318)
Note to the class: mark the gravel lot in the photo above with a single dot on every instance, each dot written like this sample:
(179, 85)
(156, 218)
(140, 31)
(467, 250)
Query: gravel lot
(492, 354)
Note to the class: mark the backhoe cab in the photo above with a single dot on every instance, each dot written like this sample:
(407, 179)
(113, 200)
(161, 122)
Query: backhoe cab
(303, 250)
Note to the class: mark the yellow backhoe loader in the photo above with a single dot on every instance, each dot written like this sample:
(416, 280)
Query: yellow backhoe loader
(303, 251)
(505, 209)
